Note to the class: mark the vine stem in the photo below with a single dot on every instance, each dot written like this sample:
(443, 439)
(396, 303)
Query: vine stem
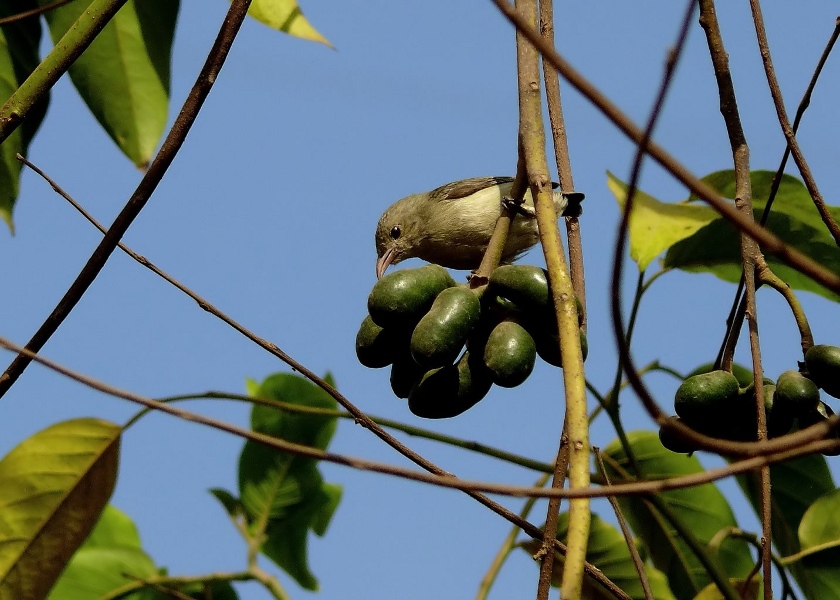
(576, 426)
(750, 255)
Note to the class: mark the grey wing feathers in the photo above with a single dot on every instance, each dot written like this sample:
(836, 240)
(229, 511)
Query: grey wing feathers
(465, 187)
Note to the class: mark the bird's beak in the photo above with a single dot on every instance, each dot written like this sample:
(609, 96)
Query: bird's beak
(384, 261)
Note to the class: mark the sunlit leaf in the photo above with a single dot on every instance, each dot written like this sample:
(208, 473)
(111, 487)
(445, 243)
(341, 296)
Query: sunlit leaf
(747, 590)
(123, 76)
(793, 218)
(284, 496)
(820, 525)
(53, 487)
(19, 43)
(607, 550)
(285, 16)
(109, 559)
(656, 226)
(702, 509)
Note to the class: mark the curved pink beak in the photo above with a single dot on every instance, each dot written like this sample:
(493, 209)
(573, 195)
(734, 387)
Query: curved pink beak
(384, 261)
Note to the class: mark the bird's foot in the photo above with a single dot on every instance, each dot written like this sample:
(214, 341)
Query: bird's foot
(518, 207)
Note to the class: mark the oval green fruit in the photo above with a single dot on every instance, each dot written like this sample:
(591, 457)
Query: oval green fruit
(527, 287)
(672, 441)
(703, 401)
(741, 373)
(524, 285)
(548, 346)
(449, 391)
(820, 414)
(796, 394)
(401, 298)
(823, 362)
(510, 353)
(375, 346)
(442, 332)
(405, 374)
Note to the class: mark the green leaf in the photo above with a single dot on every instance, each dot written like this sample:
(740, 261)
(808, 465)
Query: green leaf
(656, 226)
(53, 487)
(819, 535)
(702, 509)
(284, 496)
(123, 76)
(796, 485)
(820, 525)
(607, 550)
(747, 591)
(109, 559)
(793, 218)
(19, 43)
(286, 539)
(230, 502)
(285, 16)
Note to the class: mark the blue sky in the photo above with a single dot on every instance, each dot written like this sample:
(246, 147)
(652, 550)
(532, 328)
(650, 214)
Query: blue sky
(269, 212)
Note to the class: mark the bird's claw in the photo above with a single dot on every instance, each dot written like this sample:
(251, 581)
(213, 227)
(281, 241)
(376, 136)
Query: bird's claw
(518, 207)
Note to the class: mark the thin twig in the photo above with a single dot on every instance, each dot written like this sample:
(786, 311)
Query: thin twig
(166, 154)
(508, 544)
(411, 430)
(636, 488)
(625, 530)
(787, 130)
(750, 254)
(34, 12)
(575, 430)
(562, 159)
(736, 313)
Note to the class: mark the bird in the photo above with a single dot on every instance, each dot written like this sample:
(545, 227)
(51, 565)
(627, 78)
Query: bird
(452, 224)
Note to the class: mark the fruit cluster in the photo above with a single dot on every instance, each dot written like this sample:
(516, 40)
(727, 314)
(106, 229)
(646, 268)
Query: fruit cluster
(715, 403)
(420, 320)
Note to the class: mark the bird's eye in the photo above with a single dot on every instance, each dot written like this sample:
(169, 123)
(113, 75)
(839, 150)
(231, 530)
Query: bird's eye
(395, 232)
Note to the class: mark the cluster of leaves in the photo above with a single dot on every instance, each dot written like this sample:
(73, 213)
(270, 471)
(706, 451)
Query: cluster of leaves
(420, 321)
(123, 77)
(59, 537)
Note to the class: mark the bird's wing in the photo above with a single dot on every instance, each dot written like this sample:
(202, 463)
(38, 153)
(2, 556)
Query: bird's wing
(465, 187)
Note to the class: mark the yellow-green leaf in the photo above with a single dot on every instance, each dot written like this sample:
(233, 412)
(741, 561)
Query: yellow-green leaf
(123, 76)
(656, 226)
(285, 16)
(53, 487)
(19, 43)
(748, 590)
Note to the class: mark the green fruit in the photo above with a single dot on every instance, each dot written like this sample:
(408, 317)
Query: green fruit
(548, 346)
(741, 373)
(405, 374)
(796, 394)
(375, 346)
(823, 364)
(672, 441)
(524, 285)
(401, 298)
(510, 354)
(820, 414)
(451, 390)
(442, 332)
(742, 419)
(704, 401)
(527, 287)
